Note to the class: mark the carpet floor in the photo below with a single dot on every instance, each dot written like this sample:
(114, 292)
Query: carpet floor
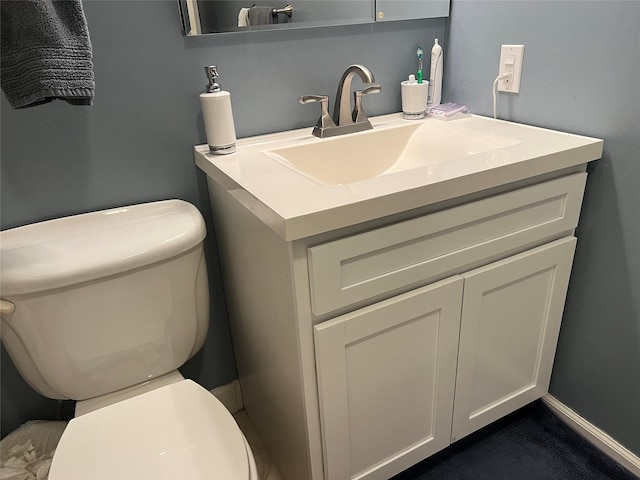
(530, 444)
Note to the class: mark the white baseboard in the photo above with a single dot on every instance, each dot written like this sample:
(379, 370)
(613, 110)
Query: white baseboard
(230, 396)
(594, 435)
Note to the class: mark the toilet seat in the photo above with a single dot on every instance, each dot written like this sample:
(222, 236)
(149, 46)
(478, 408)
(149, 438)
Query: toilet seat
(179, 431)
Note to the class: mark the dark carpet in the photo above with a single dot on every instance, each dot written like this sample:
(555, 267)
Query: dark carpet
(530, 444)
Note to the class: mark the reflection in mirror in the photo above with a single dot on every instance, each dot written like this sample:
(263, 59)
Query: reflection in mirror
(221, 16)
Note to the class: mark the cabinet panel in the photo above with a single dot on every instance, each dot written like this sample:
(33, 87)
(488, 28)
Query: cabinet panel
(386, 382)
(388, 10)
(511, 317)
(413, 252)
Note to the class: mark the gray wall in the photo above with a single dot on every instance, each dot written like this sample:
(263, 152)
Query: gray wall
(581, 72)
(135, 143)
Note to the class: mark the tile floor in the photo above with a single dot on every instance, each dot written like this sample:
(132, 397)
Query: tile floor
(266, 469)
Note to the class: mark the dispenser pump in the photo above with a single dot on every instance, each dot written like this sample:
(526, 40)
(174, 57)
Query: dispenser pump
(212, 75)
(217, 115)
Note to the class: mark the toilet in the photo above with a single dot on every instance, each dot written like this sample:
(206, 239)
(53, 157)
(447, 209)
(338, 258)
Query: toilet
(103, 308)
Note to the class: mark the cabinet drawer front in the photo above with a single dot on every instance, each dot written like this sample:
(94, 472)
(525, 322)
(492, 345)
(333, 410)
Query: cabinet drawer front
(414, 252)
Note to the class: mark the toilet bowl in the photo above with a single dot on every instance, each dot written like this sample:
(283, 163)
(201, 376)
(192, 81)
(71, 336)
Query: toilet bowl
(103, 308)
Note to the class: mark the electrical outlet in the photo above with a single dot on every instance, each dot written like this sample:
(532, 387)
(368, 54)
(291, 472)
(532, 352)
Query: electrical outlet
(511, 57)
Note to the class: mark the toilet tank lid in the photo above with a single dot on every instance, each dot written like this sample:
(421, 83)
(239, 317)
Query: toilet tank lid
(71, 250)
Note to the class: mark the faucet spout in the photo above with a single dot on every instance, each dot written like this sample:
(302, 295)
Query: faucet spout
(342, 110)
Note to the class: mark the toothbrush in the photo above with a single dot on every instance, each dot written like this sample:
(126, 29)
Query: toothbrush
(419, 72)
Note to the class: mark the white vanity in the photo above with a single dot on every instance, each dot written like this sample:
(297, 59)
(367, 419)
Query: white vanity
(392, 291)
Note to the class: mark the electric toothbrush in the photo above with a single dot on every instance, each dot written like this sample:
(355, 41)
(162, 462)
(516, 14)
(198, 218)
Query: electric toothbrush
(435, 78)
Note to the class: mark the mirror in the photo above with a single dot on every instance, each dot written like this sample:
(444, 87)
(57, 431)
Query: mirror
(201, 17)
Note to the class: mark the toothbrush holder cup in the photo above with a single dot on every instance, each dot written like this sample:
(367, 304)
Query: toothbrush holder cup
(414, 99)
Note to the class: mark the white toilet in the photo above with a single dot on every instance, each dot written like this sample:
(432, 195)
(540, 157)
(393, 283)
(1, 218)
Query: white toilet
(103, 308)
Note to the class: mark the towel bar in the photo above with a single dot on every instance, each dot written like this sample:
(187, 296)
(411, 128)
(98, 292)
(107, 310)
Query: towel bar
(287, 10)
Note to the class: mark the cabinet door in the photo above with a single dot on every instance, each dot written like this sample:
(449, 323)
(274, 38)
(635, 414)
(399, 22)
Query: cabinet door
(386, 377)
(511, 315)
(388, 10)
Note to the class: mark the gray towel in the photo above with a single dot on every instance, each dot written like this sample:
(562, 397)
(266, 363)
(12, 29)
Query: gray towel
(46, 52)
(262, 16)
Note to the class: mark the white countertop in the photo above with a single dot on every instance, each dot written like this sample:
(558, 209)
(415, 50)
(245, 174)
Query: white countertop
(296, 206)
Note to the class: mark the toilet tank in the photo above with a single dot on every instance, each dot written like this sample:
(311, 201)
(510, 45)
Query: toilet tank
(101, 301)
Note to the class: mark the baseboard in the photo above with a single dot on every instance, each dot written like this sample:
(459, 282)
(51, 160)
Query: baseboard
(230, 396)
(594, 435)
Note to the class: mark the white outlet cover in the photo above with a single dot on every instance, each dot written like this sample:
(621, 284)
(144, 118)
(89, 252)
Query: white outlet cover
(511, 57)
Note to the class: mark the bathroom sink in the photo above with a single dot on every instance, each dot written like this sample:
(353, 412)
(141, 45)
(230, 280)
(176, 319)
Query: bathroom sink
(361, 156)
(300, 185)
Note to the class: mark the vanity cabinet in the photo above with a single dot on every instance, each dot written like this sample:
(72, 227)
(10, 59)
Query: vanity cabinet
(364, 350)
(402, 379)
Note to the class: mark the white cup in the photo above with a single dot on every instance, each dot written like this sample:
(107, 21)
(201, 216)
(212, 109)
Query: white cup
(414, 99)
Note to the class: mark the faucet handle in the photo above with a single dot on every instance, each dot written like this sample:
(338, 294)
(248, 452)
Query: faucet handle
(325, 120)
(358, 114)
(313, 98)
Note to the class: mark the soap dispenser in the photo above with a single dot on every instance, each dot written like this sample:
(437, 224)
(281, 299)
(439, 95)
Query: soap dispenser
(217, 115)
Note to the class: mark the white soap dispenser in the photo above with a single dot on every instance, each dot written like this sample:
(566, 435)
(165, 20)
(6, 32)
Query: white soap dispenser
(217, 116)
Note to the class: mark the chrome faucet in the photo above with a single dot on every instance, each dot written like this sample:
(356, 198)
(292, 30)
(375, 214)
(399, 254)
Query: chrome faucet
(344, 119)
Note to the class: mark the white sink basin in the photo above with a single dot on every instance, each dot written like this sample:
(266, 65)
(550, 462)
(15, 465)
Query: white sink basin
(300, 185)
(360, 156)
